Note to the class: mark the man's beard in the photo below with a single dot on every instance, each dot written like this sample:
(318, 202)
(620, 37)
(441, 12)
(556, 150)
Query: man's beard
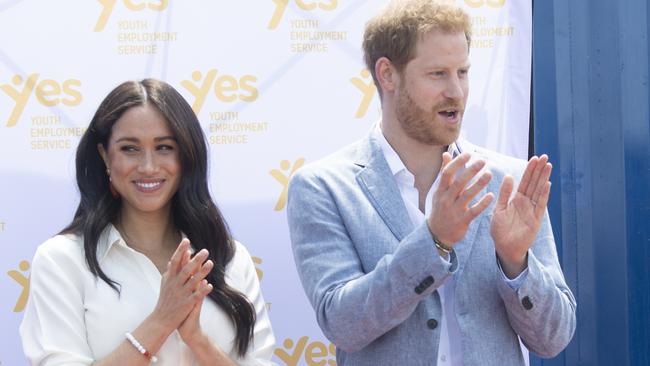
(427, 127)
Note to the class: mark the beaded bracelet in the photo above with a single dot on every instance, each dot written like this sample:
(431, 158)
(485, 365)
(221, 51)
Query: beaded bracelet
(141, 349)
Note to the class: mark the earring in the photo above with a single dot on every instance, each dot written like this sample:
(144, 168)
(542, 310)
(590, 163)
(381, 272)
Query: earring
(111, 188)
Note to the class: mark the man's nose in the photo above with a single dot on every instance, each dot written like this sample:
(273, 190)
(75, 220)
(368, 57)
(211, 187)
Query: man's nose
(454, 88)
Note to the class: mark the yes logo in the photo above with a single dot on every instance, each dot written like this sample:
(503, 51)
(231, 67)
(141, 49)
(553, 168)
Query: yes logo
(226, 88)
(23, 281)
(49, 93)
(315, 353)
(490, 3)
(281, 7)
(133, 5)
(367, 87)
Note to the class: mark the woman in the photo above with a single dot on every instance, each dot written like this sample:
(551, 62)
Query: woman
(115, 287)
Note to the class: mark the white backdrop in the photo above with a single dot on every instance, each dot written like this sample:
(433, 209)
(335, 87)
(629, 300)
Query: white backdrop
(275, 83)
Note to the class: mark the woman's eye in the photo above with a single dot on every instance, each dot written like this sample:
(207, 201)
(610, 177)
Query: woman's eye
(128, 148)
(165, 147)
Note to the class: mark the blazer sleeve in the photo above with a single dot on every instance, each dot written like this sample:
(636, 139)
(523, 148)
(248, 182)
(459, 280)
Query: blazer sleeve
(353, 308)
(542, 310)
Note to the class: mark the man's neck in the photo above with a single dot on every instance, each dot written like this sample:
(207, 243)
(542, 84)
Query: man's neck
(422, 160)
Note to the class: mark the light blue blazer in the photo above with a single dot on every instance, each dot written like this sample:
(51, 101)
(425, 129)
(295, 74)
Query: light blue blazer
(371, 276)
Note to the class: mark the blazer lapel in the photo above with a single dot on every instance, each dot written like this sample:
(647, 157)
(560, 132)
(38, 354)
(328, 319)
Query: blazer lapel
(377, 182)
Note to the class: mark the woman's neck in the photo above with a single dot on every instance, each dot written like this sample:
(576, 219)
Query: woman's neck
(148, 233)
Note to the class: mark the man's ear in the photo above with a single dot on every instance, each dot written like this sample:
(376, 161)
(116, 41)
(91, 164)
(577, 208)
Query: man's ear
(386, 74)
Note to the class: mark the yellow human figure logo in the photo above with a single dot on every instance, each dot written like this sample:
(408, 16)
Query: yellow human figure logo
(199, 92)
(367, 88)
(280, 6)
(490, 3)
(284, 179)
(24, 282)
(257, 261)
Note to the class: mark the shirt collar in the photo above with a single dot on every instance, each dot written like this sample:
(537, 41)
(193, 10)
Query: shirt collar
(107, 239)
(111, 237)
(394, 162)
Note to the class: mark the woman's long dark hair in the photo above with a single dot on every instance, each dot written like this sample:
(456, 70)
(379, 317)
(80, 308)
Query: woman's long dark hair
(193, 210)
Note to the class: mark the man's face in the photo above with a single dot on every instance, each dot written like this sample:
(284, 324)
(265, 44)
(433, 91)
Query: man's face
(432, 89)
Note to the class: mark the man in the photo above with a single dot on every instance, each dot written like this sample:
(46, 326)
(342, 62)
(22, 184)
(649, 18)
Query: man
(400, 249)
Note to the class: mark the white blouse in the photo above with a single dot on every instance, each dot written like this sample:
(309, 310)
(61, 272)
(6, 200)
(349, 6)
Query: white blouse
(73, 318)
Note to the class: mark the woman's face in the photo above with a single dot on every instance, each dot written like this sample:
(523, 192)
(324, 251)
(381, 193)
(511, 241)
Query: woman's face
(143, 159)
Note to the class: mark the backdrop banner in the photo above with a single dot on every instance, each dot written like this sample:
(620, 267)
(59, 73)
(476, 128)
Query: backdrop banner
(276, 84)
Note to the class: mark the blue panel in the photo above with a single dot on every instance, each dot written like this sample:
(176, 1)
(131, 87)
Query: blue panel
(545, 119)
(636, 133)
(591, 98)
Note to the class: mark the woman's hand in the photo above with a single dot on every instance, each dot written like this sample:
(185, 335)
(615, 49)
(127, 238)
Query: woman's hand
(205, 351)
(190, 329)
(182, 286)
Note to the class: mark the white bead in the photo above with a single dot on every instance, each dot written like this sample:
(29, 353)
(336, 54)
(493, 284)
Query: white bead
(139, 347)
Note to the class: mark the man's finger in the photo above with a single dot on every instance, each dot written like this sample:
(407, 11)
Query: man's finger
(450, 169)
(481, 205)
(540, 206)
(504, 193)
(537, 172)
(474, 189)
(461, 181)
(526, 178)
(446, 159)
(543, 178)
